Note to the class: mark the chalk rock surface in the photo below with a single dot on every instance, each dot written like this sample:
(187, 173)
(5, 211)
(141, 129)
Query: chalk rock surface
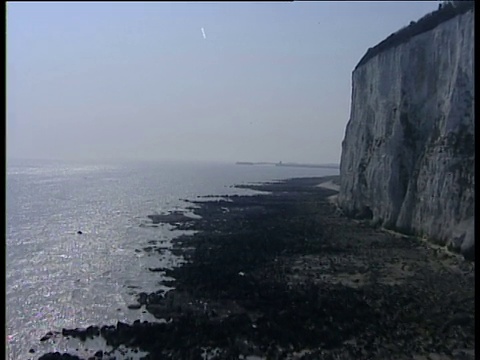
(408, 153)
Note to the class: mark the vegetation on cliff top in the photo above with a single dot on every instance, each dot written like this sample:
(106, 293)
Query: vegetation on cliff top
(446, 11)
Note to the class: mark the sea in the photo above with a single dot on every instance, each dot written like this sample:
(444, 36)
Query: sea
(57, 278)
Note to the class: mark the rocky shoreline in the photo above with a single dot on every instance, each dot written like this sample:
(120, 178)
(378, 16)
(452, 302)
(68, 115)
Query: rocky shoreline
(283, 275)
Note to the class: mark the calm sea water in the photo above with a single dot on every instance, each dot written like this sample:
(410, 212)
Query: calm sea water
(56, 278)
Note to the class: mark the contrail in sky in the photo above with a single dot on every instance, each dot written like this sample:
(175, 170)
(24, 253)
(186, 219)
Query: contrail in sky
(203, 33)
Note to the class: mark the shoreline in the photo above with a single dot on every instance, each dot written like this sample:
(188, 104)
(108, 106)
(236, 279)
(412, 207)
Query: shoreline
(330, 184)
(282, 275)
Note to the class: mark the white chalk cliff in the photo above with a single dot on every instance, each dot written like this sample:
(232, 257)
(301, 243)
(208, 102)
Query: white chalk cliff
(408, 153)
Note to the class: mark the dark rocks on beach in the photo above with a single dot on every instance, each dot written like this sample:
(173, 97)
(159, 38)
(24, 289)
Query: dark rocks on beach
(45, 338)
(134, 306)
(282, 272)
(172, 217)
(156, 269)
(59, 356)
(142, 298)
(82, 334)
(169, 283)
(48, 335)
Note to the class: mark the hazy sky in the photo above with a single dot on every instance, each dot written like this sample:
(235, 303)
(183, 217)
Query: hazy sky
(269, 82)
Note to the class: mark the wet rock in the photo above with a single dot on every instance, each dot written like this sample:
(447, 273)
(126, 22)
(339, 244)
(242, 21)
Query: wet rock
(134, 306)
(122, 326)
(47, 336)
(169, 283)
(159, 311)
(58, 356)
(155, 298)
(172, 217)
(142, 298)
(106, 330)
(92, 331)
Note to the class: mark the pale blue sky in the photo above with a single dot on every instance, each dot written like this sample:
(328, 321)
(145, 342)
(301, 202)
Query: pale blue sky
(271, 81)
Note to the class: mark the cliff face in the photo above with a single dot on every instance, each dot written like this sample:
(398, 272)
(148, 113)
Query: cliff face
(408, 154)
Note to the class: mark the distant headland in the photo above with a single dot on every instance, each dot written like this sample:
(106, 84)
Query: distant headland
(291, 164)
